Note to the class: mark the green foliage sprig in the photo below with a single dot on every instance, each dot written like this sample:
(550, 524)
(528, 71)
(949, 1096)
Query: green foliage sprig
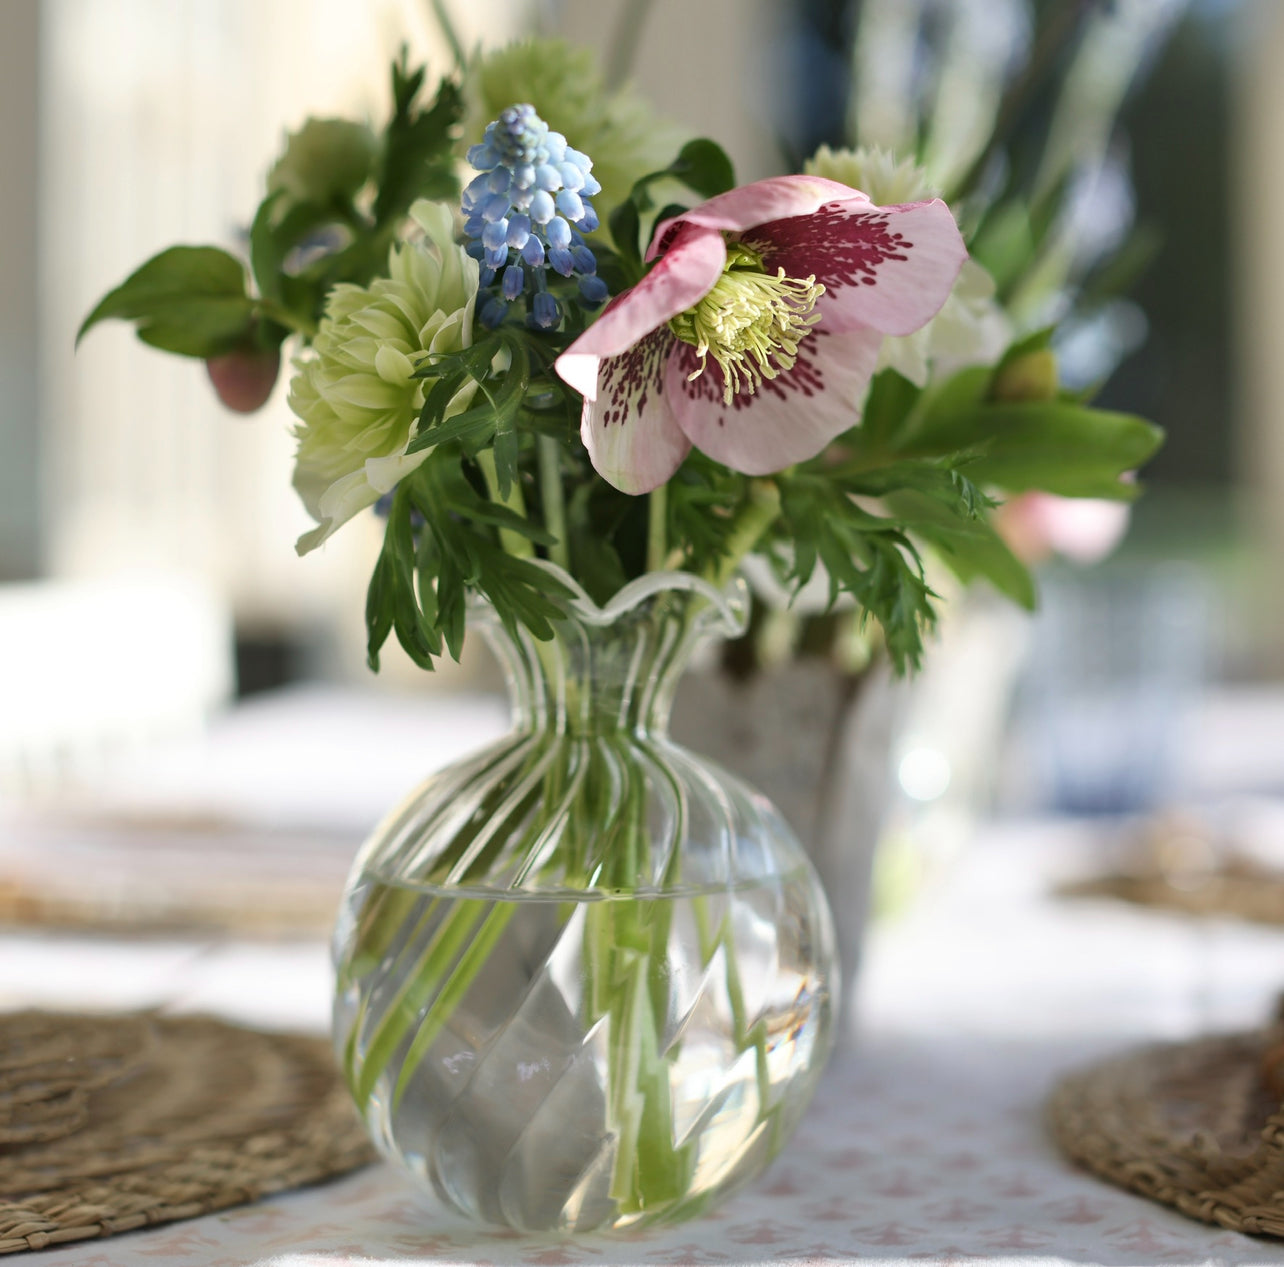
(197, 300)
(504, 487)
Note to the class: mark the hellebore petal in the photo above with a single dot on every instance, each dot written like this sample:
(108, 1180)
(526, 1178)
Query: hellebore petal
(682, 278)
(628, 427)
(777, 198)
(789, 418)
(887, 267)
(757, 330)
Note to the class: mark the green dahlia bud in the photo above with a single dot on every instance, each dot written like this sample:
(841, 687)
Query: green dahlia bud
(324, 160)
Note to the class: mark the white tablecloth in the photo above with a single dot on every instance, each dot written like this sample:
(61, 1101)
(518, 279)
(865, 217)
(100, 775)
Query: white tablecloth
(925, 1144)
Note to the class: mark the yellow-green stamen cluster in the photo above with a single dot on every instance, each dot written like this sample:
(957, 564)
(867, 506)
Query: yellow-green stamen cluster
(751, 322)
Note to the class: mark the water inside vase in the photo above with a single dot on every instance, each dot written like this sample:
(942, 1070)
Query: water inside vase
(576, 1060)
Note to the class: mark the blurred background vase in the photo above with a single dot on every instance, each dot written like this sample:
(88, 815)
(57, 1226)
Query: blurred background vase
(816, 736)
(585, 977)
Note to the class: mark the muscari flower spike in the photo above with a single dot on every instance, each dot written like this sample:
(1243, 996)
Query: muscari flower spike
(528, 212)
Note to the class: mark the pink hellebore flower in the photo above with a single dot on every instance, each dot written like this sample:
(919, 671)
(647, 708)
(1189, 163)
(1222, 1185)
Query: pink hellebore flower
(755, 335)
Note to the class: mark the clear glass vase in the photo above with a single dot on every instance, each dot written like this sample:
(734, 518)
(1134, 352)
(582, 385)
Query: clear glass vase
(586, 979)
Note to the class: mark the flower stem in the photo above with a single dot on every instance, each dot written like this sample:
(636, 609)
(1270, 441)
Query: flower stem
(513, 542)
(626, 39)
(446, 25)
(550, 489)
(657, 528)
(758, 513)
(286, 317)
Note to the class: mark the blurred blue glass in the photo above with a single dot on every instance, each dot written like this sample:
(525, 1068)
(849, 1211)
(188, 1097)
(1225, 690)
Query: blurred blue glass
(1118, 659)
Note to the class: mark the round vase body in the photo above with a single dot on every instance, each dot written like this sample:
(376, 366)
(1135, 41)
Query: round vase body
(586, 979)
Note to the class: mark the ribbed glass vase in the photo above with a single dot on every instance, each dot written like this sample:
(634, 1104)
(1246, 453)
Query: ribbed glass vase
(585, 978)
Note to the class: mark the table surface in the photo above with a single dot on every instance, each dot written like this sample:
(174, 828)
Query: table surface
(925, 1142)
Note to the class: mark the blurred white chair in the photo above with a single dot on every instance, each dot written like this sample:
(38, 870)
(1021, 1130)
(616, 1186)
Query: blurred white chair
(88, 668)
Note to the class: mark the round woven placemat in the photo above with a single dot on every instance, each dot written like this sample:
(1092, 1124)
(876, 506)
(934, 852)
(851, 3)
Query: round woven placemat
(1235, 892)
(1198, 1126)
(110, 1123)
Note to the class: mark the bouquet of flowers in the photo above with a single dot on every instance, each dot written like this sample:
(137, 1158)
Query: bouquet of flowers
(792, 370)
(560, 350)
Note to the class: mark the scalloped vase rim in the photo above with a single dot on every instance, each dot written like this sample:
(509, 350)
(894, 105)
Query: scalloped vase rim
(730, 603)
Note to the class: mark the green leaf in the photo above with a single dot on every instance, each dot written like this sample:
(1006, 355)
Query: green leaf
(1056, 446)
(266, 253)
(703, 165)
(416, 160)
(968, 546)
(1121, 271)
(484, 512)
(889, 403)
(506, 453)
(452, 605)
(594, 514)
(392, 601)
(474, 426)
(379, 603)
(932, 477)
(626, 224)
(866, 555)
(272, 240)
(189, 299)
(957, 394)
(1004, 244)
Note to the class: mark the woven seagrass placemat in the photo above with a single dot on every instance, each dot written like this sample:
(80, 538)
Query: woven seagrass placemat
(110, 1123)
(1237, 891)
(1198, 1126)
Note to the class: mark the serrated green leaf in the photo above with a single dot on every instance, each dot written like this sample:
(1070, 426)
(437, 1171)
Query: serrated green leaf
(484, 512)
(969, 547)
(506, 450)
(476, 424)
(416, 160)
(932, 477)
(865, 555)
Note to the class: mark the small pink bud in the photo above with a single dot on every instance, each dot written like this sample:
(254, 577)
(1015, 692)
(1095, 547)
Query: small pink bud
(244, 379)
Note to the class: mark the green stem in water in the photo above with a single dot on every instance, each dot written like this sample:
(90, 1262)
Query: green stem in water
(550, 489)
(657, 528)
(513, 542)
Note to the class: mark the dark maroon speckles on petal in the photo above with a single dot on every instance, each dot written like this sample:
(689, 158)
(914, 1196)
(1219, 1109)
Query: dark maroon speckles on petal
(789, 418)
(806, 378)
(626, 382)
(707, 387)
(836, 245)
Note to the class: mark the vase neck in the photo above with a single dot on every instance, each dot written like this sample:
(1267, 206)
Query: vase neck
(613, 670)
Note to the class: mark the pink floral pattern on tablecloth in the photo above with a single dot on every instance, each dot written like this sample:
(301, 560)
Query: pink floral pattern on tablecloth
(908, 1156)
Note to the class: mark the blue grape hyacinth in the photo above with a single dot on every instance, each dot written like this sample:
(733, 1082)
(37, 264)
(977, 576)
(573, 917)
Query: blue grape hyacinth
(527, 212)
